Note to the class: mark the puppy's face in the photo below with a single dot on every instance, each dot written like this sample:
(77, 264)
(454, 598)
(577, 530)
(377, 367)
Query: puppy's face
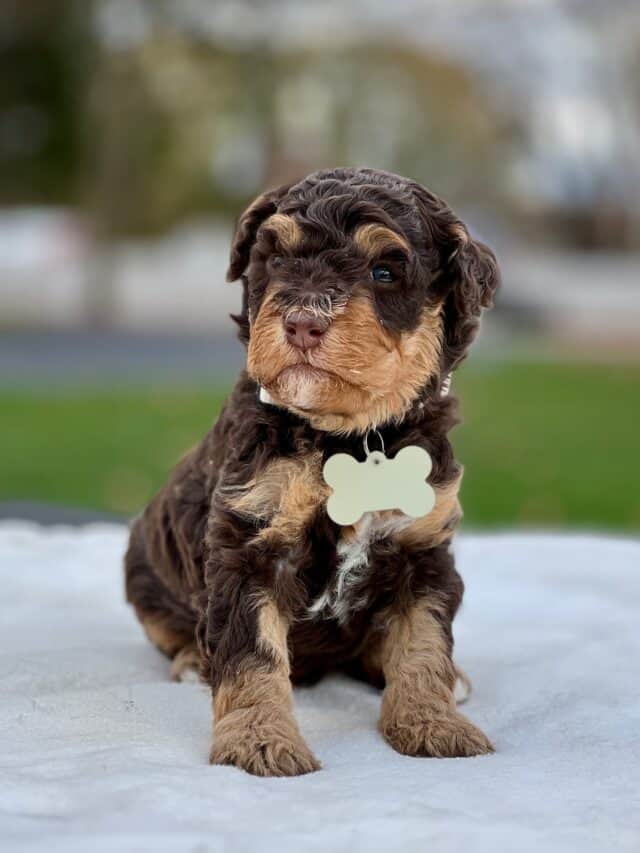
(349, 291)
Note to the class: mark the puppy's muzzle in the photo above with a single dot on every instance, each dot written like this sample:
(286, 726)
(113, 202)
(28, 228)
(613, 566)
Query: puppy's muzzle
(304, 331)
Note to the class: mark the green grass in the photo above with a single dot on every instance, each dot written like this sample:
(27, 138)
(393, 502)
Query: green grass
(542, 444)
(551, 445)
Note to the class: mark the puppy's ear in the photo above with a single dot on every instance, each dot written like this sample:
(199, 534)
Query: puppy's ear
(473, 274)
(247, 226)
(469, 278)
(474, 269)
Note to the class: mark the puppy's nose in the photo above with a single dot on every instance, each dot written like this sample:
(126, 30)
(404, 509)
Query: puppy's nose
(304, 331)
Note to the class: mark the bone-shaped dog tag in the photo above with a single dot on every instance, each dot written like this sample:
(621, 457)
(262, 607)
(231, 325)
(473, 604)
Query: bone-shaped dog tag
(378, 483)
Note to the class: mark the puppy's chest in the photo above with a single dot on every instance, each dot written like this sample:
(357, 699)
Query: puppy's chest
(353, 584)
(281, 498)
(286, 499)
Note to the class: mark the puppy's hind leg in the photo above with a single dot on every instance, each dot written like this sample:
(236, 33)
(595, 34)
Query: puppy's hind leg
(169, 623)
(463, 686)
(186, 664)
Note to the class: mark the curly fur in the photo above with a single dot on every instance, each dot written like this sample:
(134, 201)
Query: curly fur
(232, 560)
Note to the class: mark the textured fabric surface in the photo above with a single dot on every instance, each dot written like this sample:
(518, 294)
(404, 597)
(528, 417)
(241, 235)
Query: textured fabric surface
(99, 751)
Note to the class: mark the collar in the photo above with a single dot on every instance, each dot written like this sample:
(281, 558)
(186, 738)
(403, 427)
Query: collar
(265, 397)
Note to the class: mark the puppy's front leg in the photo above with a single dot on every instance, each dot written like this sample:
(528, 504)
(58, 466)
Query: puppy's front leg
(419, 715)
(254, 726)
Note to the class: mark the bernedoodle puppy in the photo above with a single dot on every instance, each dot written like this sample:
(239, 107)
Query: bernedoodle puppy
(361, 294)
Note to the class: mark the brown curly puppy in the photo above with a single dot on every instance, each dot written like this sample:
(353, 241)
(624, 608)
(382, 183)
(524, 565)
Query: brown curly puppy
(362, 293)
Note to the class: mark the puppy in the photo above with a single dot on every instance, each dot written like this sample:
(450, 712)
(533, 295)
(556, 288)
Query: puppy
(361, 295)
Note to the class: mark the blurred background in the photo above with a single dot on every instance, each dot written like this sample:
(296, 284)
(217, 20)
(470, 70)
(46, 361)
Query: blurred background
(133, 132)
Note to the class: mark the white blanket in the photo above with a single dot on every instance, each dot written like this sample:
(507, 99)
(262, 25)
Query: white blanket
(100, 751)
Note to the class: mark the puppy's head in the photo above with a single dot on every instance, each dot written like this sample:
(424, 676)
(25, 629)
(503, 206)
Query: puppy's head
(362, 290)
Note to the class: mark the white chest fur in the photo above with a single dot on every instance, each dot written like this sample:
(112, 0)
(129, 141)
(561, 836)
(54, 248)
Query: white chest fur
(342, 596)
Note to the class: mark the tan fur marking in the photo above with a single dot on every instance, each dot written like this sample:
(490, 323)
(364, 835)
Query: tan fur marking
(268, 352)
(260, 684)
(415, 653)
(286, 493)
(250, 688)
(373, 238)
(435, 527)
(254, 726)
(390, 369)
(419, 715)
(162, 636)
(272, 633)
(365, 374)
(286, 229)
(185, 664)
(459, 231)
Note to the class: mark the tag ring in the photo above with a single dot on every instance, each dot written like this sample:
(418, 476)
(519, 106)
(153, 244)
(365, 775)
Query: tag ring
(365, 440)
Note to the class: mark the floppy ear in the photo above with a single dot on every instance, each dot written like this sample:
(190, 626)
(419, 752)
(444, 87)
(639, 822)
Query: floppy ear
(473, 274)
(474, 269)
(247, 226)
(469, 274)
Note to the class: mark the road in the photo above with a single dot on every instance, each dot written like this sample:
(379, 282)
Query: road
(86, 357)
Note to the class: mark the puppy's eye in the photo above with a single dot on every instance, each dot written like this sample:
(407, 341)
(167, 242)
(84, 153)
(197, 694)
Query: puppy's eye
(382, 274)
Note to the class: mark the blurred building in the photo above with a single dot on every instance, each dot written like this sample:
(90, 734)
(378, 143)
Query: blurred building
(135, 130)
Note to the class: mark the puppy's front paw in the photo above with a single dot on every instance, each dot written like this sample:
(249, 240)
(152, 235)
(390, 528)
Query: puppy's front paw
(263, 745)
(441, 735)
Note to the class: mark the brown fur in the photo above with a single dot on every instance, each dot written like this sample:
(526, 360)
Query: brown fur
(187, 660)
(419, 714)
(372, 239)
(235, 563)
(285, 495)
(286, 230)
(272, 633)
(436, 527)
(254, 727)
(163, 636)
(260, 736)
(363, 377)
